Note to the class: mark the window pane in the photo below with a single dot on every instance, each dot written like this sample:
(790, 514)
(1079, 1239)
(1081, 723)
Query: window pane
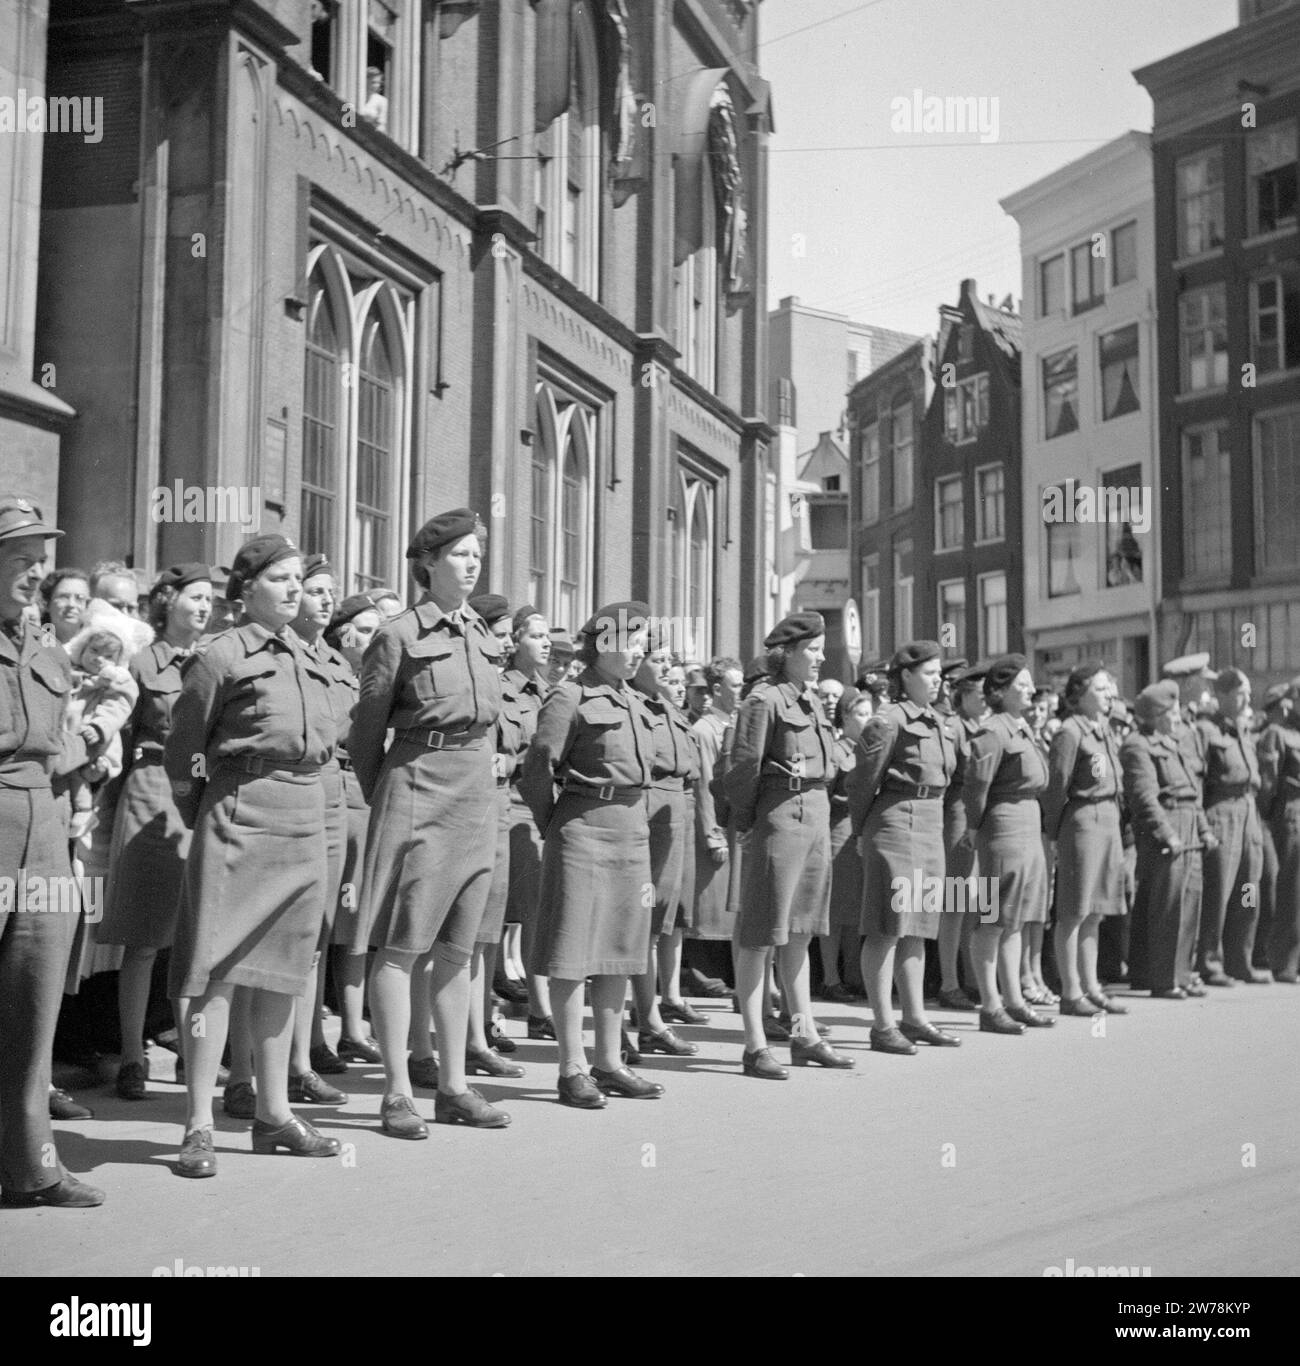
(901, 440)
(989, 508)
(1051, 286)
(1123, 549)
(1064, 547)
(376, 423)
(1061, 392)
(1207, 527)
(1199, 189)
(1123, 252)
(1119, 372)
(1271, 169)
(1277, 444)
(949, 514)
(317, 521)
(952, 615)
(1203, 338)
(993, 614)
(871, 475)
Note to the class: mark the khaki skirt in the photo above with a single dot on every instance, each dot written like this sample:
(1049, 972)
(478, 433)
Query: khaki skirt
(1010, 850)
(786, 869)
(902, 848)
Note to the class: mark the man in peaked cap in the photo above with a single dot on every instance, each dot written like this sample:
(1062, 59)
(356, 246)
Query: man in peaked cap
(35, 679)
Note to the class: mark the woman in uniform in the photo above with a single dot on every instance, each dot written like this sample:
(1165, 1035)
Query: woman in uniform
(776, 783)
(595, 742)
(525, 683)
(350, 632)
(675, 769)
(1279, 801)
(904, 762)
(1081, 814)
(508, 735)
(845, 937)
(431, 676)
(1005, 775)
(250, 732)
(1163, 797)
(150, 841)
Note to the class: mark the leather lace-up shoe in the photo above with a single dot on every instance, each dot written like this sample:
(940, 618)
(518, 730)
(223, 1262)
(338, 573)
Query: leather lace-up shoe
(1214, 977)
(957, 999)
(359, 1050)
(197, 1158)
(927, 1033)
(622, 1081)
(665, 1041)
(326, 1061)
(1082, 1006)
(999, 1022)
(891, 1040)
(491, 1064)
(541, 1027)
(399, 1119)
(820, 1054)
(310, 1089)
(1107, 1003)
(131, 1078)
(423, 1073)
(469, 1108)
(1031, 1018)
(69, 1193)
(682, 1012)
(500, 1040)
(63, 1106)
(579, 1091)
(760, 1063)
(297, 1137)
(239, 1100)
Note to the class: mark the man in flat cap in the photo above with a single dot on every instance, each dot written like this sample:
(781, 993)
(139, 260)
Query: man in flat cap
(1230, 903)
(1164, 802)
(35, 940)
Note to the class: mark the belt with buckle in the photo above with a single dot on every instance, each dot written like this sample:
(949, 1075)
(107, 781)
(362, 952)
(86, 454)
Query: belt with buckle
(442, 739)
(606, 792)
(1227, 793)
(147, 753)
(782, 782)
(257, 765)
(345, 760)
(919, 791)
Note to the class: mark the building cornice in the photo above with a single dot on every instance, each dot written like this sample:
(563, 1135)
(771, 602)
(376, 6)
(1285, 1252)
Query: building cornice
(1225, 50)
(1132, 146)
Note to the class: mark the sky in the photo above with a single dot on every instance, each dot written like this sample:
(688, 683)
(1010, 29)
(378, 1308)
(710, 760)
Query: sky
(885, 224)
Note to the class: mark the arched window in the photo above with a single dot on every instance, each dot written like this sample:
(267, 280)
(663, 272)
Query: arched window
(356, 422)
(561, 513)
(321, 426)
(691, 575)
(376, 426)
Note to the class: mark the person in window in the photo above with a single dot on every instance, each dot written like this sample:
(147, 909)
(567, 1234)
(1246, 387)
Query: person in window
(1005, 776)
(525, 682)
(776, 784)
(674, 772)
(150, 840)
(586, 778)
(1229, 911)
(431, 675)
(1279, 803)
(1082, 816)
(511, 740)
(251, 730)
(904, 762)
(1164, 797)
(375, 107)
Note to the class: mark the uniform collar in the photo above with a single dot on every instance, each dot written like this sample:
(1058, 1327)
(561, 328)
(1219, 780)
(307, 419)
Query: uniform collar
(429, 614)
(256, 637)
(523, 682)
(913, 712)
(593, 685)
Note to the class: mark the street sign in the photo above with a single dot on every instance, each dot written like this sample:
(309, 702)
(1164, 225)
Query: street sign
(852, 632)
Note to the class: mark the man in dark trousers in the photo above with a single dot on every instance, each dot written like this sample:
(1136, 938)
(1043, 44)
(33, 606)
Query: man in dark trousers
(36, 925)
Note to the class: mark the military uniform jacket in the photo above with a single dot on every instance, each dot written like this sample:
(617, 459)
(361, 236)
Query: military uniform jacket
(521, 704)
(248, 693)
(157, 671)
(1156, 776)
(781, 732)
(903, 748)
(845, 761)
(35, 681)
(1004, 764)
(677, 756)
(1279, 768)
(343, 685)
(424, 671)
(590, 733)
(1082, 766)
(709, 732)
(961, 730)
(1231, 763)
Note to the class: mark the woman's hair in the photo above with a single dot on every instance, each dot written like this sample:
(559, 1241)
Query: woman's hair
(774, 659)
(162, 597)
(1078, 683)
(55, 577)
(848, 700)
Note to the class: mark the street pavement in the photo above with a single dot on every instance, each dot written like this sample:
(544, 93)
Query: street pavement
(1169, 1142)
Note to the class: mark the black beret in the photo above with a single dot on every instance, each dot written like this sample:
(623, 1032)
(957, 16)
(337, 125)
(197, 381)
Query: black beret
(254, 556)
(490, 606)
(180, 576)
(1229, 680)
(316, 564)
(1002, 672)
(969, 676)
(953, 666)
(352, 607)
(794, 628)
(520, 618)
(378, 595)
(442, 530)
(913, 653)
(756, 669)
(622, 617)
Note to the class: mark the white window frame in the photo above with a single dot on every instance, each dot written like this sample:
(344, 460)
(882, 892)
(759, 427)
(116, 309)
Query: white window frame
(979, 504)
(1279, 282)
(1183, 235)
(986, 645)
(941, 546)
(959, 646)
(870, 459)
(870, 609)
(895, 483)
(695, 490)
(564, 420)
(1204, 327)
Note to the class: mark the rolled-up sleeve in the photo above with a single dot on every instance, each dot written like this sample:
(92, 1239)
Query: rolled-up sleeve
(1061, 760)
(368, 737)
(548, 751)
(193, 717)
(875, 748)
(740, 782)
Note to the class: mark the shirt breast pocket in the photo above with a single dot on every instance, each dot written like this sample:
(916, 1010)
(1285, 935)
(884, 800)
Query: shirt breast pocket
(796, 740)
(435, 673)
(252, 689)
(604, 724)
